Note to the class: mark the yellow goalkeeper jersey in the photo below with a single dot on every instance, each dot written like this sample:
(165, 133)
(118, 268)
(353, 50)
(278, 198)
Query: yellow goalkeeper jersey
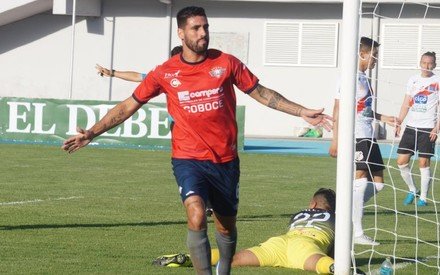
(318, 224)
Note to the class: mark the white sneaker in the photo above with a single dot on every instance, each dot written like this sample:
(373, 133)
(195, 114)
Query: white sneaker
(365, 240)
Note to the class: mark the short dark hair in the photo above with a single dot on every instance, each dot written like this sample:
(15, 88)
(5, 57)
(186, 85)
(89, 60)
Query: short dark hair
(188, 12)
(176, 50)
(328, 195)
(366, 44)
(431, 54)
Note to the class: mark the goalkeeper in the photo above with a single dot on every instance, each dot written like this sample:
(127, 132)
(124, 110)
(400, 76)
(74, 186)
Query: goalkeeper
(308, 245)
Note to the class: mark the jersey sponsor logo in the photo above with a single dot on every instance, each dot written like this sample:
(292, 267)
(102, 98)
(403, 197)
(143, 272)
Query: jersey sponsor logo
(183, 96)
(204, 107)
(419, 108)
(175, 82)
(186, 95)
(201, 101)
(172, 75)
(217, 72)
(420, 99)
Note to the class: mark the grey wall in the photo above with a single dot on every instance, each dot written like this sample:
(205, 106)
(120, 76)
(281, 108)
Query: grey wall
(132, 35)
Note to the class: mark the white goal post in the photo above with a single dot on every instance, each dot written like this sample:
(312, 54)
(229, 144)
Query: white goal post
(345, 164)
(404, 222)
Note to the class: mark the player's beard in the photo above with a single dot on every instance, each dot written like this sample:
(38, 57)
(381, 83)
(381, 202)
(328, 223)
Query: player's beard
(195, 47)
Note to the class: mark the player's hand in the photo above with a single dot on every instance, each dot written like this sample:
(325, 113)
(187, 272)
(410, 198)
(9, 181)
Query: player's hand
(390, 120)
(433, 134)
(317, 118)
(333, 150)
(397, 130)
(103, 71)
(77, 142)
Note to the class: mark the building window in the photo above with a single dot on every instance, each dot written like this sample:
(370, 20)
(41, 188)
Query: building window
(403, 44)
(301, 44)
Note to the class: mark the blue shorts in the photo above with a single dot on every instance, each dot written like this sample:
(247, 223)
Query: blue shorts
(216, 182)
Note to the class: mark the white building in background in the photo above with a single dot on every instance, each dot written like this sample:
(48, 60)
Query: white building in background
(292, 46)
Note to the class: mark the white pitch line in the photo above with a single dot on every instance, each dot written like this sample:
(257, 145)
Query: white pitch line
(402, 265)
(38, 200)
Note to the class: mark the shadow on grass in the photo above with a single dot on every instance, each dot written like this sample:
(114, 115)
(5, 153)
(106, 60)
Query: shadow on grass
(375, 261)
(255, 148)
(406, 241)
(99, 225)
(262, 217)
(85, 225)
(383, 212)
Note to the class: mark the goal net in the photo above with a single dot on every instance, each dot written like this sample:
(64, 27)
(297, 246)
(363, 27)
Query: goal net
(407, 229)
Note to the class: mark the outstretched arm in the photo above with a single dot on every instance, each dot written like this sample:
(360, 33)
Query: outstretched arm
(114, 117)
(128, 75)
(333, 151)
(278, 102)
(390, 120)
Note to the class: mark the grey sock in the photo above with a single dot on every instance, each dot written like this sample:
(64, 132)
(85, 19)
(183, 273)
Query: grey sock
(226, 246)
(200, 251)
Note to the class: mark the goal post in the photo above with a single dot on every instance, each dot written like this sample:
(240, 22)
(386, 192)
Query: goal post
(345, 164)
(400, 212)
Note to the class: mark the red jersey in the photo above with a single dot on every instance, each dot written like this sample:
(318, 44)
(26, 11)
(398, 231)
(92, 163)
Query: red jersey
(202, 102)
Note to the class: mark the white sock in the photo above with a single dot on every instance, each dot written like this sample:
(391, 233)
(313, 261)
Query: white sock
(359, 187)
(405, 172)
(425, 179)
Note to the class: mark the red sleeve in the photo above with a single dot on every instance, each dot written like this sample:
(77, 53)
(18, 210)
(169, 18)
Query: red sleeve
(244, 79)
(148, 88)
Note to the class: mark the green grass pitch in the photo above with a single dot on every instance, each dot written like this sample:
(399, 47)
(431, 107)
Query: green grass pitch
(112, 211)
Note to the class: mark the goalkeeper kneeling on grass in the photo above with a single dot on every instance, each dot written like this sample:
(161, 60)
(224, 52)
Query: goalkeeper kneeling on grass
(308, 245)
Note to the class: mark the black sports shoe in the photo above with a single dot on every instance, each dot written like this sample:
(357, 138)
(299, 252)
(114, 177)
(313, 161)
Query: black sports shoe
(353, 271)
(209, 212)
(174, 260)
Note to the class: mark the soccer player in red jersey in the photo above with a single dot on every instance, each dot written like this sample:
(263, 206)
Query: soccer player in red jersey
(198, 85)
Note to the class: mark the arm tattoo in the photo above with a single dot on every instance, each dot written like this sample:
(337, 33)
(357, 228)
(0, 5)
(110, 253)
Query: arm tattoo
(110, 120)
(118, 118)
(263, 92)
(276, 101)
(273, 98)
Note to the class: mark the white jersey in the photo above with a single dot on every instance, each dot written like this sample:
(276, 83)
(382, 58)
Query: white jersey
(364, 110)
(424, 93)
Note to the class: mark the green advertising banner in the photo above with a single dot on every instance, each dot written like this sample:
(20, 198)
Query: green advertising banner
(51, 121)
